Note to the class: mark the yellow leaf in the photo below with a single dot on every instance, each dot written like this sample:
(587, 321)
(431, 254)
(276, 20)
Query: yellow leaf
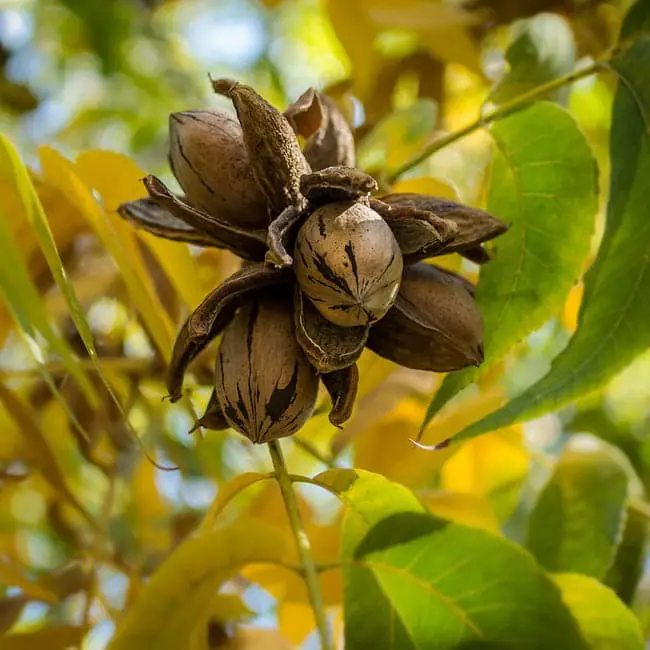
(229, 607)
(289, 588)
(117, 179)
(13, 576)
(257, 639)
(443, 28)
(179, 594)
(492, 466)
(468, 509)
(296, 621)
(52, 637)
(427, 185)
(22, 297)
(66, 224)
(356, 32)
(384, 448)
(149, 512)
(226, 493)
(119, 239)
(571, 308)
(382, 385)
(39, 454)
(482, 465)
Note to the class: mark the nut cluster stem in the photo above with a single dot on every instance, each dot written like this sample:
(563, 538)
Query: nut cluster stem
(307, 564)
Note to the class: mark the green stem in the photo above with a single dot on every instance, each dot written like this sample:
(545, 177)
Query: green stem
(302, 541)
(498, 113)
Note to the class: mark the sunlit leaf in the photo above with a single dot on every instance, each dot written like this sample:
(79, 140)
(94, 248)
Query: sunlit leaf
(356, 32)
(543, 170)
(427, 185)
(613, 320)
(180, 593)
(383, 446)
(19, 292)
(117, 179)
(604, 621)
(119, 240)
(493, 466)
(542, 48)
(417, 581)
(577, 522)
(468, 509)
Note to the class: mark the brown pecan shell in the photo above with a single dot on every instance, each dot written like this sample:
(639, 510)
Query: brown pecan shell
(209, 159)
(348, 263)
(265, 386)
(434, 325)
(215, 312)
(276, 158)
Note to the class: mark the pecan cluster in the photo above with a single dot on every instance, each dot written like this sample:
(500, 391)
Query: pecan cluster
(329, 267)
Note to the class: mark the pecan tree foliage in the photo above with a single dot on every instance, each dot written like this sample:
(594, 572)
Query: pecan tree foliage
(329, 266)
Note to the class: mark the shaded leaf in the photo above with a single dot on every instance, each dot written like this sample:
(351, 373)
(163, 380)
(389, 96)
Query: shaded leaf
(52, 637)
(577, 522)
(627, 568)
(542, 48)
(543, 171)
(40, 454)
(416, 581)
(604, 621)
(180, 593)
(11, 609)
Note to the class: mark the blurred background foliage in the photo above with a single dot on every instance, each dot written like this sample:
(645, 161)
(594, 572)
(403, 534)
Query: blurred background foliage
(85, 516)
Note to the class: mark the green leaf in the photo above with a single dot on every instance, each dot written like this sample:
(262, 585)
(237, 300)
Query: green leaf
(613, 324)
(179, 596)
(628, 566)
(398, 137)
(20, 293)
(605, 622)
(415, 581)
(577, 522)
(542, 48)
(544, 183)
